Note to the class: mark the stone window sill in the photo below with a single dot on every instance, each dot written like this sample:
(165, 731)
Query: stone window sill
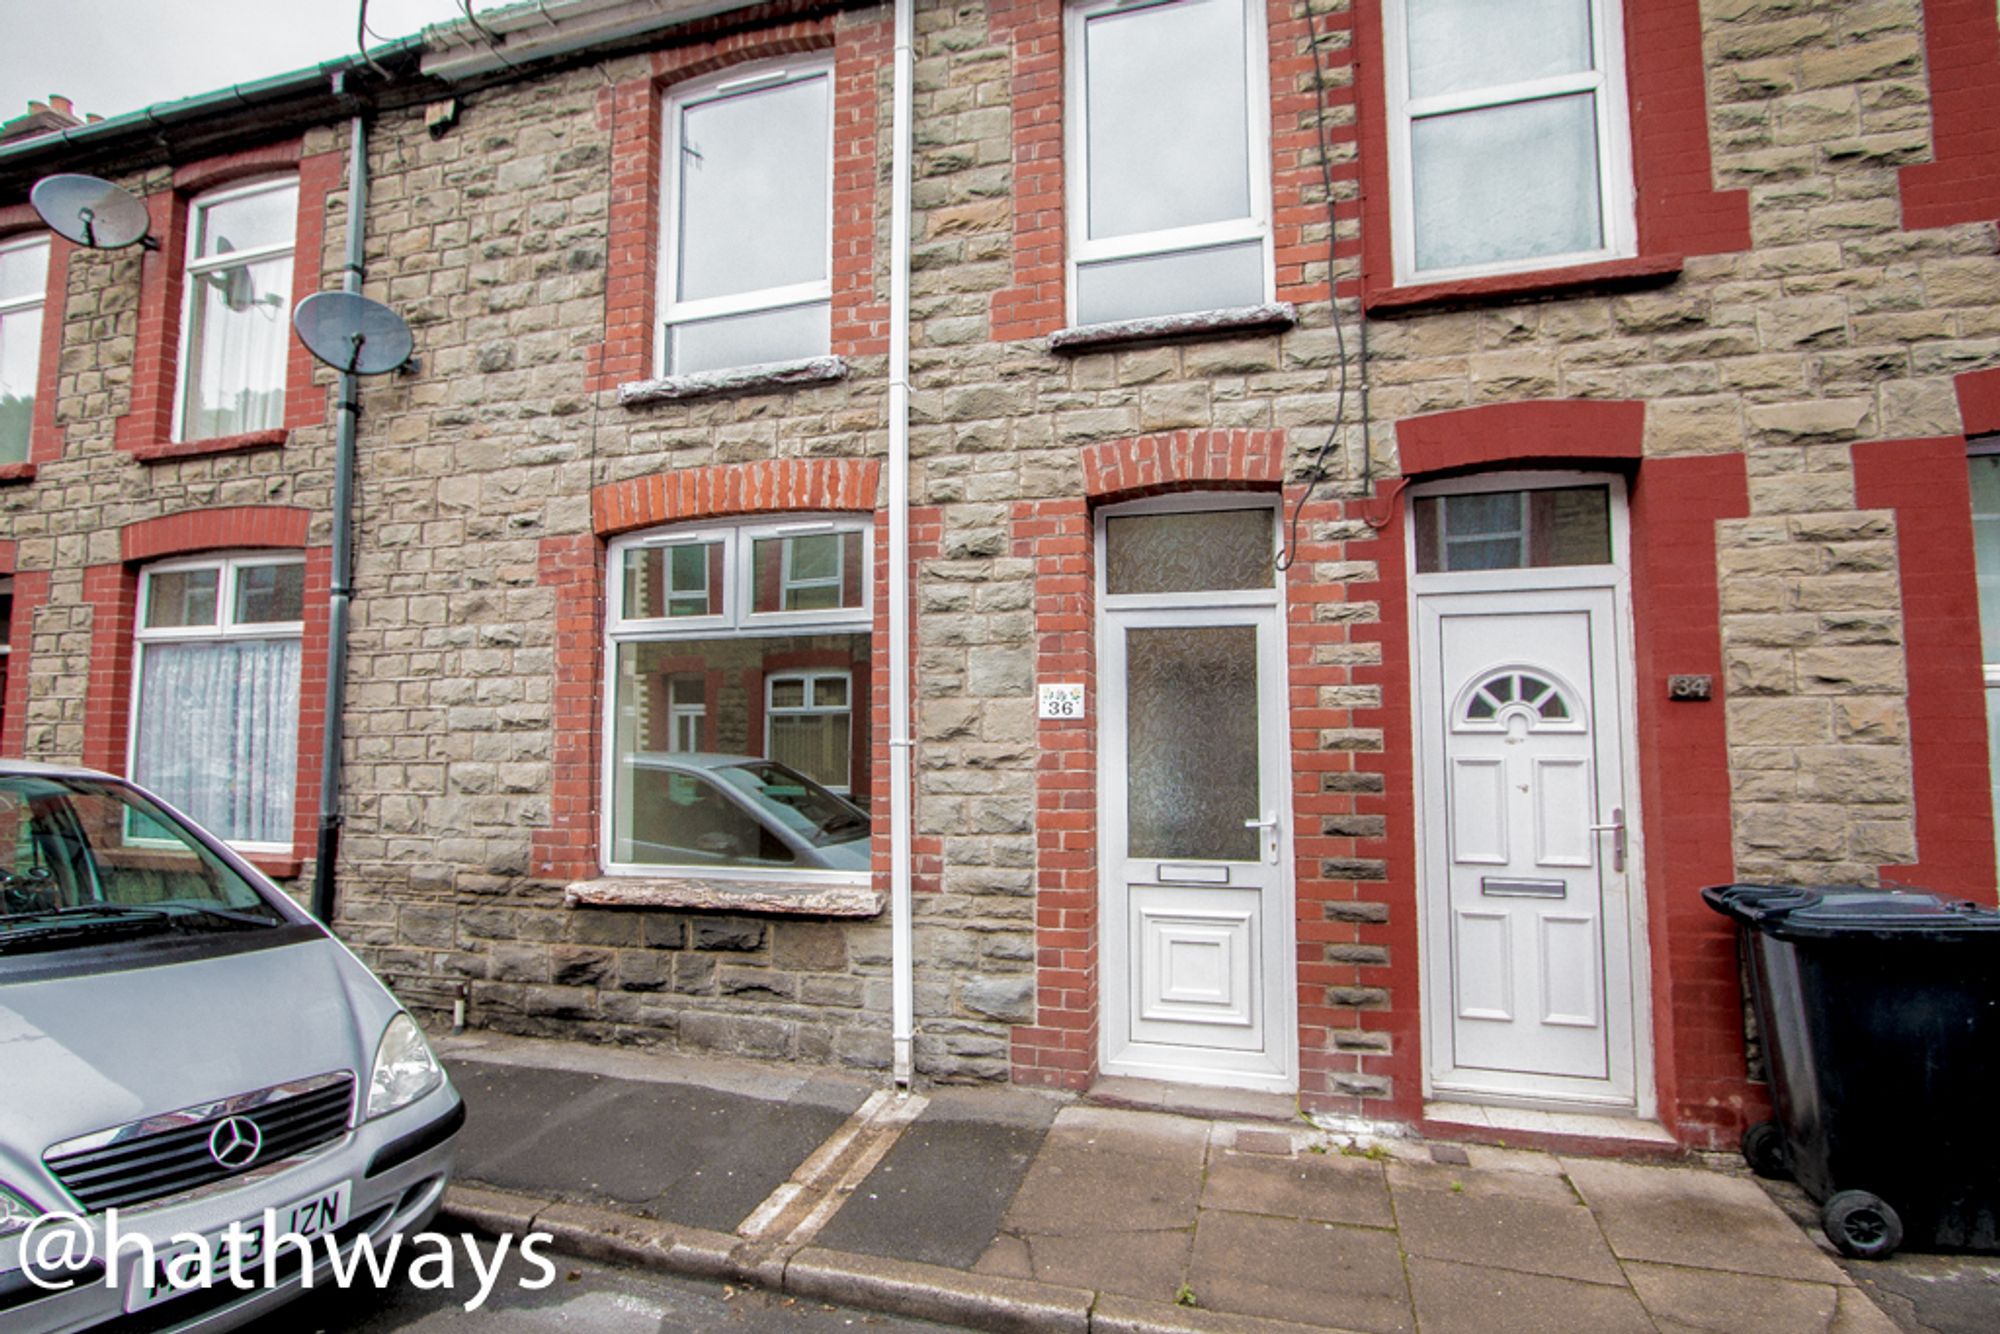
(16, 474)
(739, 380)
(1194, 324)
(276, 865)
(776, 897)
(170, 451)
(1611, 274)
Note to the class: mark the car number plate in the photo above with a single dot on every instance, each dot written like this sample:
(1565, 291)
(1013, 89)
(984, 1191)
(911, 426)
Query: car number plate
(309, 1218)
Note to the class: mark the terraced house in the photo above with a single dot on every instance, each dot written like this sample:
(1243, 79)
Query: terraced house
(1202, 675)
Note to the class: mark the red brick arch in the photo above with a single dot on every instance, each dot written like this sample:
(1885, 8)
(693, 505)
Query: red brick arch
(1183, 460)
(771, 486)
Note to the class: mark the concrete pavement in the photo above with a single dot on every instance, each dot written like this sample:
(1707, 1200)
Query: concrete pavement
(1007, 1209)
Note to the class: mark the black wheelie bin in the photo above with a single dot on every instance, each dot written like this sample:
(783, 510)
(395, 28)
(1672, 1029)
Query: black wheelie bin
(1880, 1018)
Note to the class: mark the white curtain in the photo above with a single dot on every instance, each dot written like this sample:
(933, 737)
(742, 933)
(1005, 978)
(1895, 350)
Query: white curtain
(218, 733)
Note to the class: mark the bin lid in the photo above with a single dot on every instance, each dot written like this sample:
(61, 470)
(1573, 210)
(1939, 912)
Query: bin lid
(1793, 912)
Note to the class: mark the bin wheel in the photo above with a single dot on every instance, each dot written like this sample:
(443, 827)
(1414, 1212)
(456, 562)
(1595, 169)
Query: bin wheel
(1764, 1150)
(1861, 1225)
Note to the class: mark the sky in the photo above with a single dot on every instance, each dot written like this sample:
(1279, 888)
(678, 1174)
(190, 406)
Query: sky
(114, 56)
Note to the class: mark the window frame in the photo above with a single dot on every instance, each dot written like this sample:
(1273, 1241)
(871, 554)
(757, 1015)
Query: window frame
(738, 619)
(37, 301)
(810, 677)
(229, 565)
(194, 266)
(1617, 193)
(1081, 251)
(669, 310)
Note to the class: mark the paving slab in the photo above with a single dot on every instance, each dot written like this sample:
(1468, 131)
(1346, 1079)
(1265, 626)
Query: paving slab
(938, 1196)
(678, 1152)
(1686, 1300)
(1292, 1269)
(1479, 1183)
(1453, 1298)
(1689, 1217)
(1077, 1187)
(1150, 1265)
(1323, 1187)
(1506, 1232)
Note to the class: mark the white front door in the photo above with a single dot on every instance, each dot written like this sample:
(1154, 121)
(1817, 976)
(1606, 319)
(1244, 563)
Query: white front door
(1194, 793)
(1531, 935)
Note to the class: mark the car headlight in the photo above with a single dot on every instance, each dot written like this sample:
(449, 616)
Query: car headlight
(15, 1212)
(405, 1069)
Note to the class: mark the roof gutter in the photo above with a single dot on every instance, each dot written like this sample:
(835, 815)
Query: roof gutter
(538, 31)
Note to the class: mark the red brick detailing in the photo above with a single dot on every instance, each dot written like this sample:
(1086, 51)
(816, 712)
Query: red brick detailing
(1979, 402)
(1680, 212)
(772, 486)
(31, 590)
(1548, 431)
(1060, 1048)
(1961, 183)
(213, 530)
(1035, 305)
(1926, 483)
(19, 474)
(166, 452)
(573, 567)
(1611, 274)
(1684, 796)
(147, 428)
(631, 112)
(44, 440)
(1216, 460)
(112, 592)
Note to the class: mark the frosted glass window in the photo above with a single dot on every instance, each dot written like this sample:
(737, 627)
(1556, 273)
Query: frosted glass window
(1511, 182)
(750, 174)
(238, 306)
(1459, 45)
(1188, 553)
(1190, 788)
(1168, 158)
(24, 275)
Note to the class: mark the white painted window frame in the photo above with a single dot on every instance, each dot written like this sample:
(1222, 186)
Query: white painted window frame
(35, 301)
(1605, 81)
(229, 566)
(196, 266)
(1256, 225)
(737, 541)
(810, 678)
(732, 82)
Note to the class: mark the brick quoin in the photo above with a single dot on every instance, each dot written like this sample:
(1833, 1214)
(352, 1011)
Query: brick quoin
(1926, 484)
(1979, 402)
(44, 437)
(572, 567)
(1679, 211)
(631, 113)
(1961, 183)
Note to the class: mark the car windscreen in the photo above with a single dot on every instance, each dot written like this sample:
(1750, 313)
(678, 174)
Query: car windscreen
(84, 861)
(820, 816)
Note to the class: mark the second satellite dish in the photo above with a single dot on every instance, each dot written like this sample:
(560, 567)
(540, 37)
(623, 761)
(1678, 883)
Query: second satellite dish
(352, 333)
(92, 212)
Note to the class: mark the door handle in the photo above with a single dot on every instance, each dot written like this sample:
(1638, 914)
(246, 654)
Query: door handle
(1269, 824)
(1617, 831)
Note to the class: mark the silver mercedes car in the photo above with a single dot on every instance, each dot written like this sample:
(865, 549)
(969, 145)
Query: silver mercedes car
(202, 1091)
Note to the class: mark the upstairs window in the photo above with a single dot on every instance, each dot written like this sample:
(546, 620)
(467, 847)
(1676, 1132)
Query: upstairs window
(24, 276)
(745, 277)
(1508, 136)
(216, 715)
(1169, 159)
(236, 310)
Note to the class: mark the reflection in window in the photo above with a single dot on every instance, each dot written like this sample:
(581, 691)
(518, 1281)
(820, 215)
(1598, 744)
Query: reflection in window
(1985, 465)
(24, 274)
(238, 305)
(1513, 530)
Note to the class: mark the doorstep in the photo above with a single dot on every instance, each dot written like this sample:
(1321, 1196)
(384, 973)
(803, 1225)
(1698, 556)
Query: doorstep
(1165, 1095)
(1529, 1127)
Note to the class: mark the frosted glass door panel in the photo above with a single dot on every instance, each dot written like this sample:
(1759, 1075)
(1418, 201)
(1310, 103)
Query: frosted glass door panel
(1191, 732)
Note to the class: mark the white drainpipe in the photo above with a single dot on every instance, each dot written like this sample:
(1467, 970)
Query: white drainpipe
(901, 808)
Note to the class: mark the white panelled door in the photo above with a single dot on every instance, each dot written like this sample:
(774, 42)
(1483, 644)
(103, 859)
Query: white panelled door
(1527, 912)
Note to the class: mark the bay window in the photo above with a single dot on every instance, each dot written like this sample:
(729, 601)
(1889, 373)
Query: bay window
(1169, 159)
(1509, 143)
(746, 263)
(215, 712)
(736, 708)
(24, 275)
(236, 310)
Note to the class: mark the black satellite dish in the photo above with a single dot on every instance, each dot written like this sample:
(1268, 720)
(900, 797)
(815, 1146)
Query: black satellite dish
(92, 212)
(352, 333)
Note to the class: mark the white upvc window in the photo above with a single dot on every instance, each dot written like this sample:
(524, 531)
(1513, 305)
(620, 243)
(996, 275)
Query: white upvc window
(737, 652)
(747, 222)
(1509, 138)
(215, 710)
(24, 278)
(1167, 129)
(236, 308)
